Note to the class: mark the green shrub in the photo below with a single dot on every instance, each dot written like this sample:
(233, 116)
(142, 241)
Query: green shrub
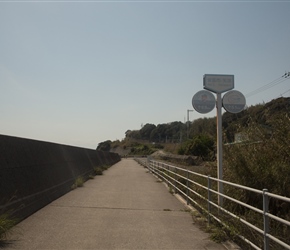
(6, 223)
(142, 149)
(79, 182)
(263, 161)
(105, 167)
(201, 145)
(98, 171)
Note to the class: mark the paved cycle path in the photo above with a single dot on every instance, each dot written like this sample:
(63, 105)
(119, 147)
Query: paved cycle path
(126, 208)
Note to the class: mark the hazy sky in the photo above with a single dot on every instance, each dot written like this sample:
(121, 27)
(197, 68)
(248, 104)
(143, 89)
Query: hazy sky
(81, 72)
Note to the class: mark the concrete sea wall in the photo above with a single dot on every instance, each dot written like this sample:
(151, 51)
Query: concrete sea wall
(34, 173)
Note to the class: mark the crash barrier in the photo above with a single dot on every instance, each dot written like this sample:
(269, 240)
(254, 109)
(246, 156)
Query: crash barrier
(34, 173)
(266, 221)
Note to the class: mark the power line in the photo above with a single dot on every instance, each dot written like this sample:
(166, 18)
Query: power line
(275, 82)
(285, 92)
(267, 86)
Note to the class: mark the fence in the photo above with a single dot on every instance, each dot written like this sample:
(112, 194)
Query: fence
(265, 224)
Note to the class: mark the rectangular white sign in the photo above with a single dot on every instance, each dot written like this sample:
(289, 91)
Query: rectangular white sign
(218, 83)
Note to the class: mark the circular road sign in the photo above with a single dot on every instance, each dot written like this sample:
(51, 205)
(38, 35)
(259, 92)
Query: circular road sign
(234, 101)
(203, 101)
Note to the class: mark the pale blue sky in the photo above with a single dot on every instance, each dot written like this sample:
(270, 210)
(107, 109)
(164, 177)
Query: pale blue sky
(81, 72)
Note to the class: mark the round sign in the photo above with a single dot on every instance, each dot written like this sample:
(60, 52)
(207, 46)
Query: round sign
(203, 101)
(234, 101)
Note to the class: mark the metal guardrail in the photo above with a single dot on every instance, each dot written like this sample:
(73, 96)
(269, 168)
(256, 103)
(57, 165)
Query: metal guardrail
(201, 191)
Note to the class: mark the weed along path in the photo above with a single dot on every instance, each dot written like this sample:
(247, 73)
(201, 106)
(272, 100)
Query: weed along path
(125, 208)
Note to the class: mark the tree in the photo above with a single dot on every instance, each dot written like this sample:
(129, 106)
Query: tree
(201, 145)
(158, 134)
(133, 134)
(146, 130)
(203, 126)
(104, 146)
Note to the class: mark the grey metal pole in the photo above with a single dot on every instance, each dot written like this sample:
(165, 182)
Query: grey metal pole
(266, 219)
(187, 187)
(219, 148)
(209, 198)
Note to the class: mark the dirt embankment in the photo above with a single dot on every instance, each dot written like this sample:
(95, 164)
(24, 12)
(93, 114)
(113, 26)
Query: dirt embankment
(188, 160)
(193, 163)
(121, 151)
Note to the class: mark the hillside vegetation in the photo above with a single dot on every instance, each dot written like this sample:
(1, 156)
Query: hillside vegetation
(260, 158)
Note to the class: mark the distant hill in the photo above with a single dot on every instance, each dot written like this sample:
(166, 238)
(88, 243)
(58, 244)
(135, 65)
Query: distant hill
(263, 115)
(160, 135)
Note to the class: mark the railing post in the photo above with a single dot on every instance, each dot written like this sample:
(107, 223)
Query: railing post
(266, 218)
(161, 172)
(187, 187)
(167, 178)
(157, 168)
(148, 162)
(175, 180)
(208, 197)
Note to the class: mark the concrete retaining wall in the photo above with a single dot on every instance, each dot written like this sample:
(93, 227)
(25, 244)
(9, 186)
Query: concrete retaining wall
(34, 173)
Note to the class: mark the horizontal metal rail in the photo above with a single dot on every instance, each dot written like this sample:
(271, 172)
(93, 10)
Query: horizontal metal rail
(173, 176)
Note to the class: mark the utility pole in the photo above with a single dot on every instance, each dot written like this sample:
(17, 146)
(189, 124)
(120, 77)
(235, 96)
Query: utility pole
(189, 110)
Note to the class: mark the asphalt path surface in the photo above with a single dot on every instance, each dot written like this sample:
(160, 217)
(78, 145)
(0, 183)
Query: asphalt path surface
(125, 208)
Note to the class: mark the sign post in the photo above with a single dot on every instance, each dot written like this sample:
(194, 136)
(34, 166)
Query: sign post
(219, 147)
(233, 101)
(219, 84)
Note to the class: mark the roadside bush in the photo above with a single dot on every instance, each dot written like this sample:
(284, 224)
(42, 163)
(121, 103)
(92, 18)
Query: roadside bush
(261, 162)
(264, 160)
(142, 149)
(98, 171)
(6, 223)
(79, 182)
(202, 145)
